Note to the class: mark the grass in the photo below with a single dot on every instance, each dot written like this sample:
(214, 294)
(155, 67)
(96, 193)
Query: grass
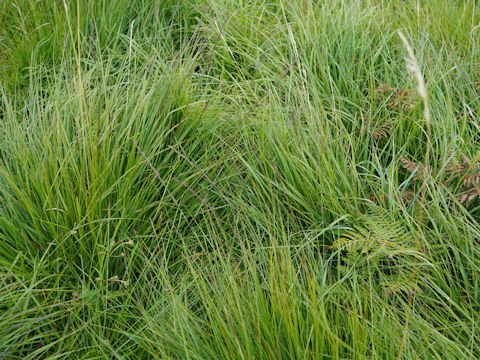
(221, 179)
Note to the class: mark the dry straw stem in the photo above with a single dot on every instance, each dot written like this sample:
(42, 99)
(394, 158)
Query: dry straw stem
(413, 66)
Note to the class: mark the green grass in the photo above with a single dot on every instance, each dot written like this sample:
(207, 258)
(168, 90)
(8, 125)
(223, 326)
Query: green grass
(223, 179)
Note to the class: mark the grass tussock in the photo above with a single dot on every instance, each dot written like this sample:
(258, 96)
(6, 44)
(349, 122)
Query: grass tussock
(239, 179)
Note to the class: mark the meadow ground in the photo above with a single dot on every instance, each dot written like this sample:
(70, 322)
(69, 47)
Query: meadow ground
(239, 179)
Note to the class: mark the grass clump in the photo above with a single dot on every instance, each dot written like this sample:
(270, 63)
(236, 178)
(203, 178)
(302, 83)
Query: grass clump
(239, 180)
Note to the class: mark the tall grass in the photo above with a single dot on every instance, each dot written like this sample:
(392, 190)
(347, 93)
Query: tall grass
(238, 180)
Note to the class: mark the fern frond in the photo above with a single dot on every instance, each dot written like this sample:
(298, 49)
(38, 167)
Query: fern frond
(381, 247)
(414, 167)
(466, 171)
(398, 98)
